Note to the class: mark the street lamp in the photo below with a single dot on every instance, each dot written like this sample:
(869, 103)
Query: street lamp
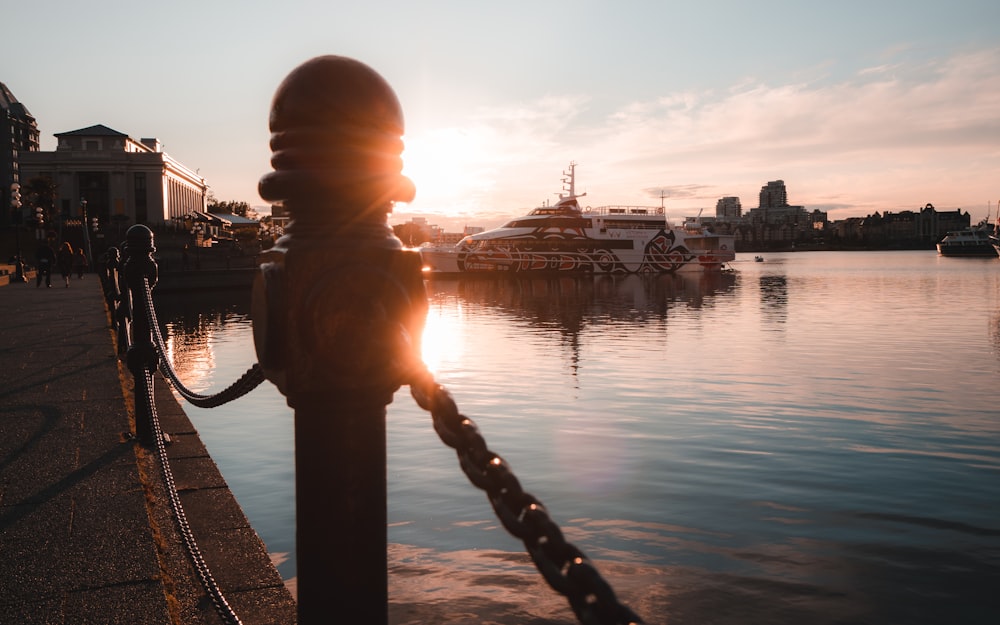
(40, 223)
(95, 228)
(86, 231)
(15, 204)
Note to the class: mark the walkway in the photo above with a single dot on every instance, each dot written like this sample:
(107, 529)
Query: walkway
(85, 533)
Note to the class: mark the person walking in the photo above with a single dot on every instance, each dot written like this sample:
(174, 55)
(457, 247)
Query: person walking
(45, 258)
(65, 261)
(79, 262)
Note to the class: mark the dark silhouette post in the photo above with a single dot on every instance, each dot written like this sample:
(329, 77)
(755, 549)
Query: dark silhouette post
(109, 278)
(338, 309)
(141, 357)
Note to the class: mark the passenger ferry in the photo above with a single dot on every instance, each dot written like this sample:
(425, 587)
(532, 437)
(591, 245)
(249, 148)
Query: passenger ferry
(975, 241)
(565, 237)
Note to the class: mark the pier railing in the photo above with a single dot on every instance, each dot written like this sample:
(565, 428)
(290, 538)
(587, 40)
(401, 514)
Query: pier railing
(338, 310)
(563, 565)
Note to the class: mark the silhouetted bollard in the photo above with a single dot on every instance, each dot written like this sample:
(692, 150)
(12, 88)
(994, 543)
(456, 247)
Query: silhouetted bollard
(141, 357)
(338, 310)
(109, 279)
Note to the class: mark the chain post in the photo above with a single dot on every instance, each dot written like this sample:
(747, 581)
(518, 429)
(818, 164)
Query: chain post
(338, 308)
(112, 265)
(140, 270)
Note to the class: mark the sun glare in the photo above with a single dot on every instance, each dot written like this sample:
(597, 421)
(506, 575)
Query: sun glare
(444, 165)
(439, 343)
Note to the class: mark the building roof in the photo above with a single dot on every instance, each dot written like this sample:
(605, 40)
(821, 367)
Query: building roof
(9, 102)
(100, 130)
(235, 220)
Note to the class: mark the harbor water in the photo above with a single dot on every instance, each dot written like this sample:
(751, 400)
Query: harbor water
(813, 438)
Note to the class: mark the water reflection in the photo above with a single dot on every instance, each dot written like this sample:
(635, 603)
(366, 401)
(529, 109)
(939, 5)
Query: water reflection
(192, 323)
(845, 473)
(774, 297)
(568, 304)
(995, 333)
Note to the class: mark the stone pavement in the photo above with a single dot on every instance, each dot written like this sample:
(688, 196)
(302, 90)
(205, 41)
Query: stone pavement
(86, 535)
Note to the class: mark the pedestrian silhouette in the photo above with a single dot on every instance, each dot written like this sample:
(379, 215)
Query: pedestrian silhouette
(79, 262)
(45, 258)
(65, 261)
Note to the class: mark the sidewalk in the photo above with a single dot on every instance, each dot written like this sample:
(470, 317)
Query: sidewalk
(85, 531)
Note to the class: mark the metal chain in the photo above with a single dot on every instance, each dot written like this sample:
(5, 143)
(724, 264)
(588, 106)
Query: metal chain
(563, 566)
(250, 380)
(208, 582)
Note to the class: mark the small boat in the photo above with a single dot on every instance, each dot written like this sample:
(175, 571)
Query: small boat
(568, 238)
(973, 241)
(758, 259)
(995, 237)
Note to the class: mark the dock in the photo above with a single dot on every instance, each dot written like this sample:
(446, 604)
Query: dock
(86, 530)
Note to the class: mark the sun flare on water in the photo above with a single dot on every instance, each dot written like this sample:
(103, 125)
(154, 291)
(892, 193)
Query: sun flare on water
(439, 344)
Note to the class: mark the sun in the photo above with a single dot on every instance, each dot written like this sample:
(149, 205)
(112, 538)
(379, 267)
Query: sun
(446, 165)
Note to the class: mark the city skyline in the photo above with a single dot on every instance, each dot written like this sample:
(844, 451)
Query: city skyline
(859, 108)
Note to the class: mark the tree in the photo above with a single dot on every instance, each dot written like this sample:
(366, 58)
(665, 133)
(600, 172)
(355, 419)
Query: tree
(40, 191)
(230, 208)
(411, 234)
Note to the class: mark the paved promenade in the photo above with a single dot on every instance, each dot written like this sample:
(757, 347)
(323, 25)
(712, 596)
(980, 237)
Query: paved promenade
(86, 535)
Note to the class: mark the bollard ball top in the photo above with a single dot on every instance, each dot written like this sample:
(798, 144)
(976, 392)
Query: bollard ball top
(139, 238)
(336, 137)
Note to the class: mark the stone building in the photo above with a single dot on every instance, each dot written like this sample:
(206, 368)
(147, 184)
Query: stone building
(109, 175)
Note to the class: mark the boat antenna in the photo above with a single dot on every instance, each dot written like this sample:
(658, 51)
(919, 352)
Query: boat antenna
(569, 183)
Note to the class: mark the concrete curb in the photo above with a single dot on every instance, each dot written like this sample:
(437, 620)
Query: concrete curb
(85, 532)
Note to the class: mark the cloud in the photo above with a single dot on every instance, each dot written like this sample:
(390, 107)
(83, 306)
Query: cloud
(892, 137)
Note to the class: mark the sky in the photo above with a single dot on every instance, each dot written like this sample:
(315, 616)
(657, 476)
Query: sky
(880, 105)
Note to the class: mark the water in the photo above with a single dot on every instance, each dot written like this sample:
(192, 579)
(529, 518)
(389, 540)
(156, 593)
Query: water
(814, 439)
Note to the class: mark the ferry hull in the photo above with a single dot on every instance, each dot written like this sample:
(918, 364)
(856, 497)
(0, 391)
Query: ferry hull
(594, 257)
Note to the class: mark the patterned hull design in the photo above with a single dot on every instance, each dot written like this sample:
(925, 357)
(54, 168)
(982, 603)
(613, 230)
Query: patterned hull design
(545, 252)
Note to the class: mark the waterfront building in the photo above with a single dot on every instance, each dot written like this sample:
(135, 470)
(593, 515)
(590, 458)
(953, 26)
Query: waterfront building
(417, 230)
(18, 135)
(109, 175)
(912, 228)
(728, 208)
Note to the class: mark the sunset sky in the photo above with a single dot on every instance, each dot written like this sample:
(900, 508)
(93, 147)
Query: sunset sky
(858, 106)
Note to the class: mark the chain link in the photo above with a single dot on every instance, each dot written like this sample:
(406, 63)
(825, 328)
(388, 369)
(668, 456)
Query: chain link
(205, 577)
(566, 569)
(250, 380)
(219, 602)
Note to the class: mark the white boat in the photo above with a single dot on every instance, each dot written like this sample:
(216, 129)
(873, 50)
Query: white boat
(969, 242)
(995, 237)
(565, 237)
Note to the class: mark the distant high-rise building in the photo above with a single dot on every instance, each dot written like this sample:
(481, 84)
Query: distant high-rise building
(18, 134)
(728, 208)
(774, 207)
(773, 195)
